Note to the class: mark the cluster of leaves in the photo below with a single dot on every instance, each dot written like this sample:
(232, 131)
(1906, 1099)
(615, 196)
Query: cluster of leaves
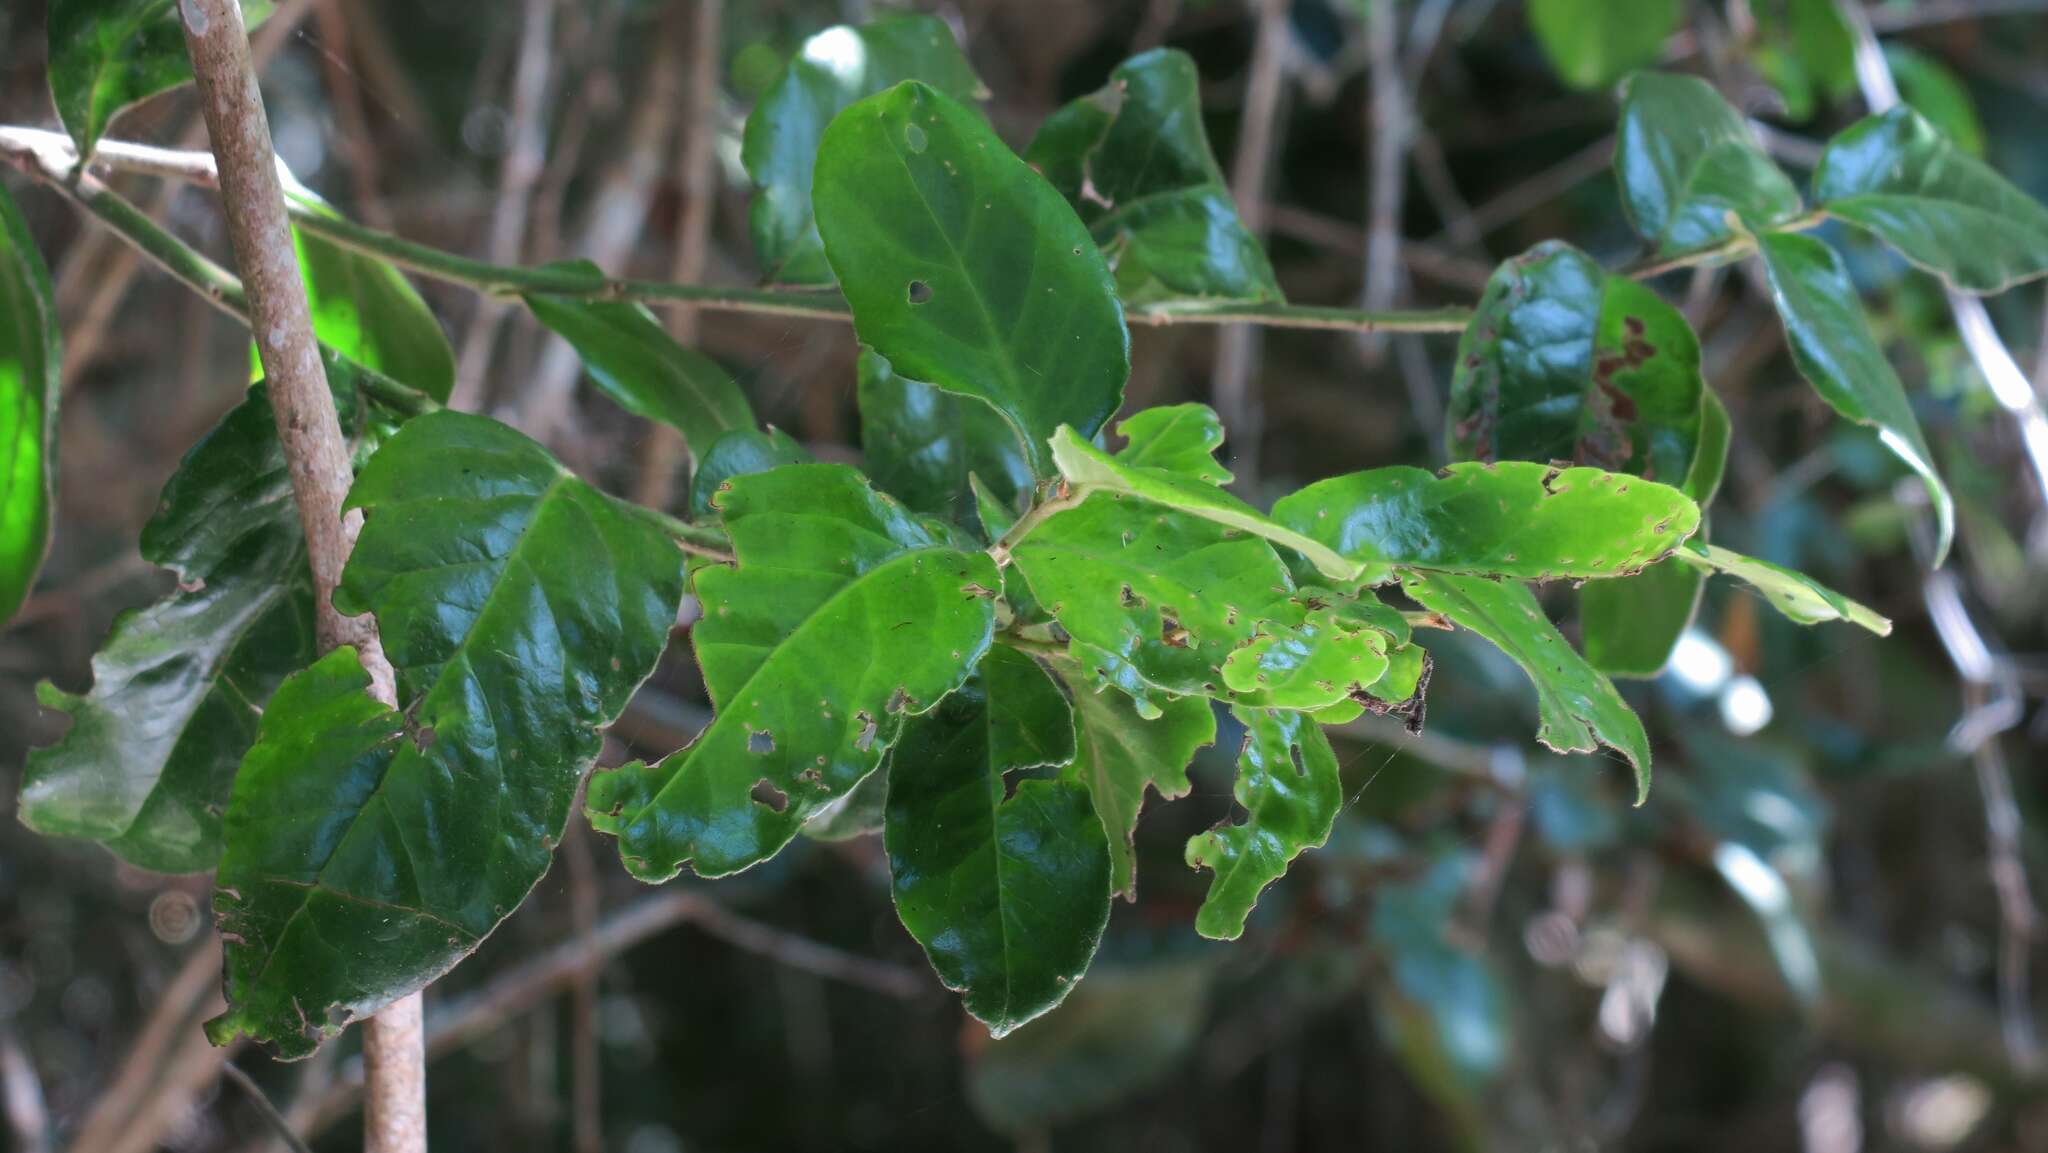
(992, 644)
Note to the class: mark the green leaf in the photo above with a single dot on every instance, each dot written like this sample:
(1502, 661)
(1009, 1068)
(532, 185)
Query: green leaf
(965, 269)
(1928, 87)
(921, 444)
(844, 614)
(1630, 625)
(1287, 783)
(740, 452)
(834, 68)
(1328, 657)
(1564, 362)
(1798, 596)
(108, 54)
(1943, 209)
(1592, 44)
(1118, 753)
(1514, 518)
(1134, 161)
(633, 360)
(520, 608)
(1686, 162)
(1806, 52)
(1833, 346)
(1008, 895)
(367, 311)
(29, 391)
(1578, 708)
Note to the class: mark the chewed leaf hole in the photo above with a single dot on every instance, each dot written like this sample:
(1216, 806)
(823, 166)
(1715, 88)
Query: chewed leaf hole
(761, 743)
(765, 793)
(919, 292)
(866, 739)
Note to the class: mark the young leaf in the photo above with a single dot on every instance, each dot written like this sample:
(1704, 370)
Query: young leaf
(28, 409)
(965, 269)
(633, 360)
(1687, 162)
(1833, 346)
(105, 55)
(1008, 895)
(1287, 783)
(844, 615)
(740, 452)
(1578, 708)
(1592, 45)
(833, 69)
(921, 444)
(520, 608)
(367, 311)
(1943, 209)
(1118, 753)
(1514, 518)
(1134, 161)
(1798, 596)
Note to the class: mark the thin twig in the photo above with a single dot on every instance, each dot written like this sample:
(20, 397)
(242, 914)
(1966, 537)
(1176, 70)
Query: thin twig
(268, 1111)
(148, 1059)
(345, 95)
(1392, 131)
(1894, 18)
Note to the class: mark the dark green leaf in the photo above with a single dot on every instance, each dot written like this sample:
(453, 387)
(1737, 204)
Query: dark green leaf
(1798, 596)
(1833, 346)
(367, 311)
(1630, 625)
(1118, 753)
(1578, 708)
(1134, 161)
(1943, 209)
(835, 68)
(108, 54)
(965, 269)
(1928, 87)
(844, 615)
(29, 390)
(1514, 518)
(740, 452)
(922, 444)
(1686, 162)
(635, 362)
(1592, 44)
(1806, 52)
(520, 608)
(1287, 784)
(1008, 895)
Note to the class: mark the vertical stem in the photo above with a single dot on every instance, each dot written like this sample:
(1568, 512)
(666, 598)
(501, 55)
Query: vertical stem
(317, 457)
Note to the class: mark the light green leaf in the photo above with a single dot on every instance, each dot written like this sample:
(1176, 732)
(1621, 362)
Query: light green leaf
(1514, 518)
(1327, 658)
(520, 608)
(367, 311)
(740, 452)
(1287, 783)
(1119, 753)
(1943, 209)
(29, 391)
(1134, 161)
(105, 55)
(965, 269)
(1798, 596)
(1833, 346)
(833, 69)
(920, 444)
(1008, 895)
(844, 615)
(1578, 708)
(1592, 44)
(1687, 162)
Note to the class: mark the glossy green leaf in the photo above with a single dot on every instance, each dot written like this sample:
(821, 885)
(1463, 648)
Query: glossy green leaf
(740, 452)
(1514, 518)
(29, 391)
(1287, 784)
(1119, 753)
(1943, 209)
(1134, 161)
(844, 615)
(1592, 44)
(833, 69)
(633, 360)
(1798, 596)
(920, 444)
(1687, 162)
(965, 269)
(367, 311)
(1564, 362)
(1928, 87)
(108, 54)
(1835, 350)
(1008, 894)
(1328, 657)
(520, 608)
(1578, 708)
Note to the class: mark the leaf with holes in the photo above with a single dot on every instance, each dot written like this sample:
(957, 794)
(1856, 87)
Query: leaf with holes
(29, 390)
(1943, 209)
(844, 615)
(1007, 893)
(965, 269)
(1687, 163)
(1578, 708)
(108, 54)
(921, 445)
(520, 608)
(1134, 161)
(832, 70)
(1288, 786)
(1330, 656)
(1798, 596)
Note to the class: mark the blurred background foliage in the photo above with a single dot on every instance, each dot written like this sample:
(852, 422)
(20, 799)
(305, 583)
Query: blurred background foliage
(1815, 936)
